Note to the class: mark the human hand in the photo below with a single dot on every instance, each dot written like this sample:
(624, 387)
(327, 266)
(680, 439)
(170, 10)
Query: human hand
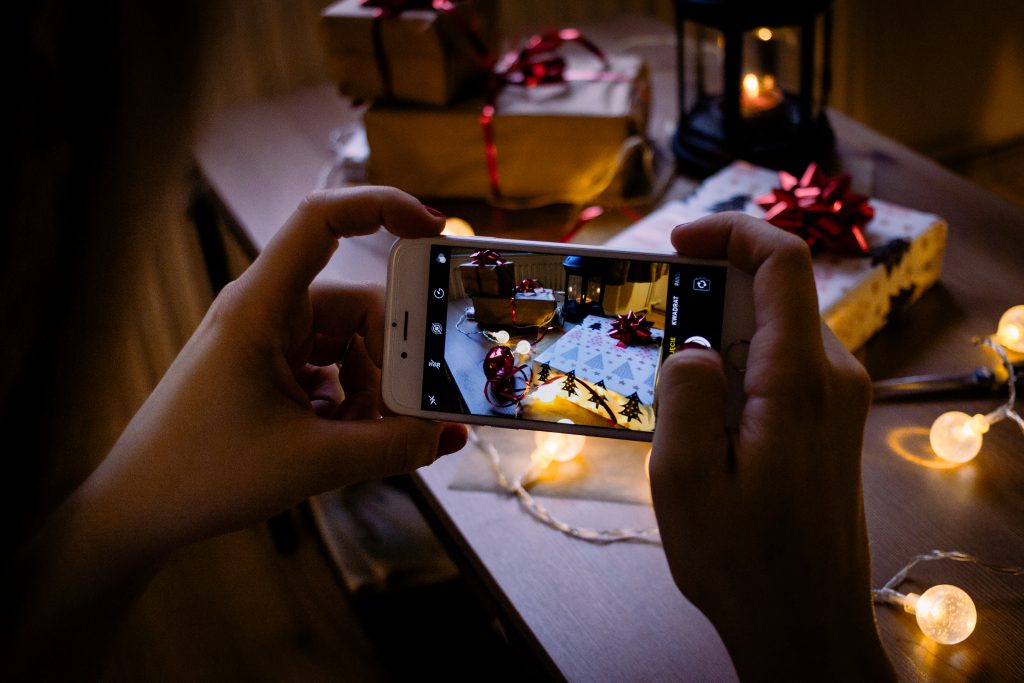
(251, 418)
(764, 527)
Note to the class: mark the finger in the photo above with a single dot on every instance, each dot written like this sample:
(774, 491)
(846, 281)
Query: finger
(322, 386)
(349, 452)
(690, 441)
(302, 247)
(787, 336)
(360, 379)
(851, 379)
(339, 309)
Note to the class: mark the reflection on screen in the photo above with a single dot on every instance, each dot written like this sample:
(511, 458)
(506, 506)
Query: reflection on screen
(560, 337)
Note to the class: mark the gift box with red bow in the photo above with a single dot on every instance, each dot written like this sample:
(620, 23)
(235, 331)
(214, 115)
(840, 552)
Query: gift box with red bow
(426, 51)
(549, 129)
(872, 258)
(487, 273)
(613, 363)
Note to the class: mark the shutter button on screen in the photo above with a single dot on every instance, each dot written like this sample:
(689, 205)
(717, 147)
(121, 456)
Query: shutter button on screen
(697, 339)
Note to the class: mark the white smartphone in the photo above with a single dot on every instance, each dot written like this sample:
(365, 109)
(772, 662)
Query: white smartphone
(537, 335)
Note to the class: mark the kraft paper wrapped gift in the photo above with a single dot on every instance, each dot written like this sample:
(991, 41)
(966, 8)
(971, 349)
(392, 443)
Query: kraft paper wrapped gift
(856, 295)
(626, 373)
(531, 308)
(488, 279)
(564, 142)
(430, 56)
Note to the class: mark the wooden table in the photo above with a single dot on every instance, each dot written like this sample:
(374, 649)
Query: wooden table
(592, 612)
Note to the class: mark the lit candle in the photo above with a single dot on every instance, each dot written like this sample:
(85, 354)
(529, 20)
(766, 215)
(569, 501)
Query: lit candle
(759, 94)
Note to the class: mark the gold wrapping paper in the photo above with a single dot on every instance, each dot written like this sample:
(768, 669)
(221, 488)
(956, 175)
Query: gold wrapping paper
(429, 56)
(569, 142)
(488, 279)
(531, 309)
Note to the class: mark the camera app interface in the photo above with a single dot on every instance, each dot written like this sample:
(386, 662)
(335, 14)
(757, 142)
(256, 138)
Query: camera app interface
(560, 337)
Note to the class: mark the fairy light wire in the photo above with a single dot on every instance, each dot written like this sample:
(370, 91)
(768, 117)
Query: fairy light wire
(1008, 409)
(517, 487)
(888, 594)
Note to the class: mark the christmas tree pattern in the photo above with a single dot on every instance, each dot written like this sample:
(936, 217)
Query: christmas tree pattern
(631, 408)
(544, 374)
(569, 385)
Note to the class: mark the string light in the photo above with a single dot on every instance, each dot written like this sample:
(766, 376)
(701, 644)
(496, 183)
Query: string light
(501, 336)
(523, 348)
(517, 487)
(556, 447)
(956, 436)
(945, 613)
(1010, 332)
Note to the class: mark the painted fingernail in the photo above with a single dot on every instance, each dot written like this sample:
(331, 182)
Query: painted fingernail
(434, 212)
(453, 438)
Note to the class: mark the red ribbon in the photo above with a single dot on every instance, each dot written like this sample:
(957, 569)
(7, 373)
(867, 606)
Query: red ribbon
(820, 210)
(535, 64)
(527, 286)
(631, 330)
(500, 370)
(487, 257)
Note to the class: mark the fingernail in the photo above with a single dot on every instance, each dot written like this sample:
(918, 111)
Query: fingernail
(453, 438)
(434, 212)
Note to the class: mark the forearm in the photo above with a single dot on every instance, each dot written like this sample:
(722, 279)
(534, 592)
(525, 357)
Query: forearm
(812, 639)
(73, 584)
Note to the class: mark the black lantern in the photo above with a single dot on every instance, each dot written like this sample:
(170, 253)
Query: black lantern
(584, 287)
(753, 80)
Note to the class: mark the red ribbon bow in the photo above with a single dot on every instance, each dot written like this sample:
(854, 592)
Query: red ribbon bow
(631, 330)
(528, 286)
(487, 257)
(534, 64)
(821, 210)
(537, 63)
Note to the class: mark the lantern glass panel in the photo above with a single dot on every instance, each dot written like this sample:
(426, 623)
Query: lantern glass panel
(593, 290)
(770, 68)
(574, 288)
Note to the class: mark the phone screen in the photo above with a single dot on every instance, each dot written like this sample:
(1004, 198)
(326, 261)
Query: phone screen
(560, 337)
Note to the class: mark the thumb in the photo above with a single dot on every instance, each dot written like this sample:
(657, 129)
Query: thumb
(690, 439)
(351, 451)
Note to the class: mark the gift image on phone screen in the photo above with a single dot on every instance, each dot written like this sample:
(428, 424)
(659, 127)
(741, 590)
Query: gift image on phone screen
(560, 337)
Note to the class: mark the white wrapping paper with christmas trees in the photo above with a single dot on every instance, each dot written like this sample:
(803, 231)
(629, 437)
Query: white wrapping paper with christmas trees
(621, 375)
(856, 295)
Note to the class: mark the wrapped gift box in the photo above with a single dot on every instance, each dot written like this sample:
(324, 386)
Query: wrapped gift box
(563, 142)
(856, 295)
(488, 279)
(532, 308)
(623, 375)
(429, 55)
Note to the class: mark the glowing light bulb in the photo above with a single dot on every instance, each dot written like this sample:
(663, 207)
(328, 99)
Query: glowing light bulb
(546, 393)
(1011, 329)
(764, 33)
(945, 613)
(553, 447)
(523, 348)
(956, 436)
(501, 336)
(457, 226)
